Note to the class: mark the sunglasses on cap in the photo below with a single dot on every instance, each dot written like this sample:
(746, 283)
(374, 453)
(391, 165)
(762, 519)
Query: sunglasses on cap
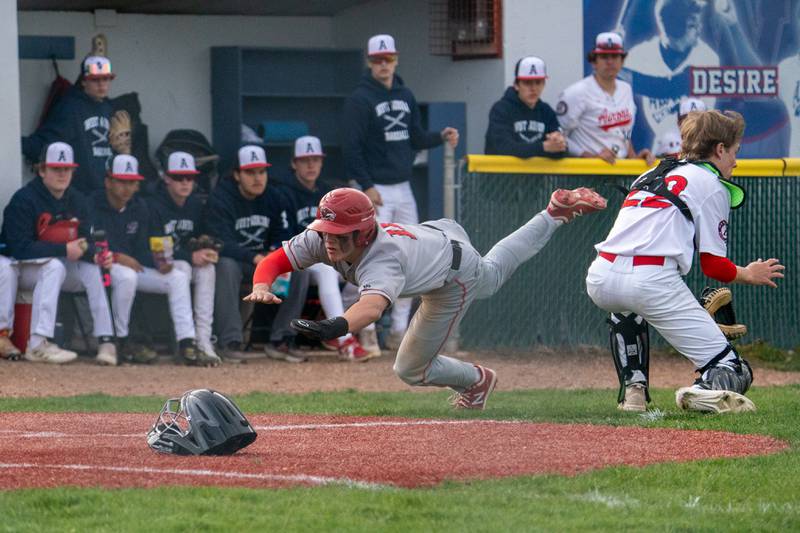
(377, 60)
(181, 177)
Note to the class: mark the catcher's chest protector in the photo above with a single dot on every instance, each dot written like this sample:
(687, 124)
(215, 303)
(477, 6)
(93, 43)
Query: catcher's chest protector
(656, 183)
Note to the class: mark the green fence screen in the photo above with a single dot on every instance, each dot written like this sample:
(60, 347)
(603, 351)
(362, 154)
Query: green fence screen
(545, 302)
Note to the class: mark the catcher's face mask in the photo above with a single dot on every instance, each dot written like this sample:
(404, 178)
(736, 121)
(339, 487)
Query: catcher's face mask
(201, 422)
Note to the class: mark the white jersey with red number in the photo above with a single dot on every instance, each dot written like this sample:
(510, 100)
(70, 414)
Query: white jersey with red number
(592, 119)
(403, 260)
(651, 225)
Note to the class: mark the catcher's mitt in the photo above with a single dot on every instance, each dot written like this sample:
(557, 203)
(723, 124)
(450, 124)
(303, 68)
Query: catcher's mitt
(718, 302)
(119, 134)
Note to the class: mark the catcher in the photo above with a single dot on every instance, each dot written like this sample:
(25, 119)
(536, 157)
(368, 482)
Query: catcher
(680, 206)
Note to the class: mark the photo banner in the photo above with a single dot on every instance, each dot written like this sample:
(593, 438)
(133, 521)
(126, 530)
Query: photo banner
(742, 55)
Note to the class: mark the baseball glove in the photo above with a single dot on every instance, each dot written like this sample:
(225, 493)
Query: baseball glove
(205, 242)
(119, 134)
(718, 302)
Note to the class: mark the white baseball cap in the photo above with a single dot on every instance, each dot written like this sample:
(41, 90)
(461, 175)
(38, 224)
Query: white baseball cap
(691, 104)
(95, 67)
(608, 42)
(59, 155)
(381, 45)
(308, 146)
(252, 156)
(669, 144)
(125, 167)
(530, 68)
(181, 163)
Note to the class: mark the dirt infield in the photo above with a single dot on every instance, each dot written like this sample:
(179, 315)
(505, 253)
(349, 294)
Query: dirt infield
(109, 450)
(578, 369)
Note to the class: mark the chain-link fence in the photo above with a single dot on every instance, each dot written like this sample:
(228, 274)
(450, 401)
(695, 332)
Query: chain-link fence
(545, 302)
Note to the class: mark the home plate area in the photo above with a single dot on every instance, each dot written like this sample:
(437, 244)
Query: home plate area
(109, 450)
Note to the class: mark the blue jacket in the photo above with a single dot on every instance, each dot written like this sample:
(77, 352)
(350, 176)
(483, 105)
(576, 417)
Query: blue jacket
(127, 231)
(382, 131)
(304, 202)
(247, 228)
(516, 129)
(21, 217)
(83, 123)
(179, 222)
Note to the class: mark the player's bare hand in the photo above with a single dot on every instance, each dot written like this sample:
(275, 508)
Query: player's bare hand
(373, 194)
(762, 272)
(76, 249)
(648, 156)
(204, 257)
(554, 142)
(130, 262)
(605, 154)
(261, 295)
(450, 136)
(104, 259)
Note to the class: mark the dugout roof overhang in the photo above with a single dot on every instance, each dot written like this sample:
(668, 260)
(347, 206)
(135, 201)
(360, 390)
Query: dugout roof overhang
(275, 8)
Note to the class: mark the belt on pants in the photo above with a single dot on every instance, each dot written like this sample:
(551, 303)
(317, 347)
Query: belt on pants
(638, 260)
(455, 264)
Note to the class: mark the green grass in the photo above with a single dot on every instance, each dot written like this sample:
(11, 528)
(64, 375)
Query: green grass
(751, 494)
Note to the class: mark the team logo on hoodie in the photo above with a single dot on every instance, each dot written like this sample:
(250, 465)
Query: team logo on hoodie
(396, 114)
(529, 130)
(97, 130)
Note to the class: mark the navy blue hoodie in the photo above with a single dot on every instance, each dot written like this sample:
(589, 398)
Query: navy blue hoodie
(83, 123)
(516, 129)
(246, 228)
(126, 230)
(382, 131)
(179, 222)
(304, 202)
(21, 216)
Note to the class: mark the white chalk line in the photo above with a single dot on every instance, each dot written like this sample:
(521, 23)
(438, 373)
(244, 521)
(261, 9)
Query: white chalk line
(11, 433)
(295, 478)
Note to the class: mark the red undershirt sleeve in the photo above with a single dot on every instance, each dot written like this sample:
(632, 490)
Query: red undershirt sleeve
(718, 268)
(269, 268)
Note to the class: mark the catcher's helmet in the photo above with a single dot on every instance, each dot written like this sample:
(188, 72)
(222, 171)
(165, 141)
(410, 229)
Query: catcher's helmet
(346, 210)
(201, 422)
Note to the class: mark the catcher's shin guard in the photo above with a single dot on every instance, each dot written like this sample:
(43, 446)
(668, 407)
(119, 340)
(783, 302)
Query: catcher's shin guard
(732, 375)
(630, 348)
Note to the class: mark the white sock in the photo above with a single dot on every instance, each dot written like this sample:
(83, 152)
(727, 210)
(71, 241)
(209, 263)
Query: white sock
(36, 341)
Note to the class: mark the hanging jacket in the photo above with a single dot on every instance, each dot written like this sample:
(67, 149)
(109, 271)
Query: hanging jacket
(382, 130)
(518, 130)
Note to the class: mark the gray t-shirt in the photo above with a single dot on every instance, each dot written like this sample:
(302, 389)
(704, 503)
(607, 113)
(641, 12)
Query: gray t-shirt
(403, 260)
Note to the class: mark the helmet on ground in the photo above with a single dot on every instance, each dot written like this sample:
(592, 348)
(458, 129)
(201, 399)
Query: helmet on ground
(201, 422)
(344, 211)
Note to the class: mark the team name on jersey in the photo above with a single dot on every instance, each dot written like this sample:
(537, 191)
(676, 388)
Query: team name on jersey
(396, 114)
(183, 225)
(305, 215)
(529, 130)
(252, 221)
(614, 119)
(95, 122)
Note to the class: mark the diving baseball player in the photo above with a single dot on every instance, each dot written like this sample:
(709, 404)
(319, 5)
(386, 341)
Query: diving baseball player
(680, 206)
(434, 260)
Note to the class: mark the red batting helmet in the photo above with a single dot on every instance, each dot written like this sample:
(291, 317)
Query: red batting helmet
(346, 210)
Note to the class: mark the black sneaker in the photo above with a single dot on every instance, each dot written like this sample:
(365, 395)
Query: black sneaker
(133, 352)
(190, 354)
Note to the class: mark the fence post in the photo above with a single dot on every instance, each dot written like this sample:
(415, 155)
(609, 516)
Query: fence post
(451, 346)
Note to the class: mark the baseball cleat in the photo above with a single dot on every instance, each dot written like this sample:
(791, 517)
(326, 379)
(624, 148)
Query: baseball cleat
(635, 399)
(284, 352)
(47, 352)
(566, 205)
(696, 398)
(476, 396)
(7, 348)
(106, 354)
(351, 350)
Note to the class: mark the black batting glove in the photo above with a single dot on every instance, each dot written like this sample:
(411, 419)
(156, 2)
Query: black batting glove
(324, 330)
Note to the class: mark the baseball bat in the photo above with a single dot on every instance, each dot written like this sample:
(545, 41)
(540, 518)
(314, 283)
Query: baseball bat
(102, 249)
